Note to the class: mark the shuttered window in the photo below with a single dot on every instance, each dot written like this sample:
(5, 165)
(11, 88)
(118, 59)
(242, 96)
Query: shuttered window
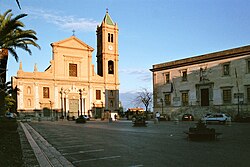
(227, 96)
(72, 70)
(98, 94)
(45, 92)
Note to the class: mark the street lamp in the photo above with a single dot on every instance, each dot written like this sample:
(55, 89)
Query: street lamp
(162, 106)
(102, 111)
(80, 100)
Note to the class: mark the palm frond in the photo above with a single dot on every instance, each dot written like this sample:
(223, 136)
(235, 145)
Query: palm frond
(18, 4)
(13, 53)
(12, 34)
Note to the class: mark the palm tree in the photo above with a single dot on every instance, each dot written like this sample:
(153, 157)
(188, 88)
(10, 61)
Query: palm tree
(12, 36)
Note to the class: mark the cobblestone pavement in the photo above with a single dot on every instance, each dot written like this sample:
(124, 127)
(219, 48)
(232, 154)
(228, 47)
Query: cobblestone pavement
(45, 153)
(99, 143)
(29, 157)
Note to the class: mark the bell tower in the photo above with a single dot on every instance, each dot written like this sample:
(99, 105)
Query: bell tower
(107, 61)
(107, 49)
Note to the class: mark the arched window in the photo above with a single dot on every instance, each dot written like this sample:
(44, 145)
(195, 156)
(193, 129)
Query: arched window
(28, 90)
(110, 67)
(29, 103)
(111, 103)
(111, 93)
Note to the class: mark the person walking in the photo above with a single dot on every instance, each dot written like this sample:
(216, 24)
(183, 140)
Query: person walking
(157, 115)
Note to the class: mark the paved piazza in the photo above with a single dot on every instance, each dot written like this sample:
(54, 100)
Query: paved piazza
(118, 144)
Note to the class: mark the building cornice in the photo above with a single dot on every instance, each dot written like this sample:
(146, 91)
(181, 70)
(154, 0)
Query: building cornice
(231, 53)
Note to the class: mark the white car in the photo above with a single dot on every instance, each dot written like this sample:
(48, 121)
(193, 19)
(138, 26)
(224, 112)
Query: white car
(218, 118)
(86, 117)
(10, 115)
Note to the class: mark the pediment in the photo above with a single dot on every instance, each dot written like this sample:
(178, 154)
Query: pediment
(72, 42)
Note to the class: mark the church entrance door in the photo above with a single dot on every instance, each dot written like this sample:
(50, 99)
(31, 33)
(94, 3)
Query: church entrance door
(205, 97)
(73, 107)
(46, 112)
(98, 112)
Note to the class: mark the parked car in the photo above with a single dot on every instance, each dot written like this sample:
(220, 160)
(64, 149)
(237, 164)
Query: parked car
(10, 115)
(164, 117)
(187, 117)
(217, 118)
(81, 119)
(86, 117)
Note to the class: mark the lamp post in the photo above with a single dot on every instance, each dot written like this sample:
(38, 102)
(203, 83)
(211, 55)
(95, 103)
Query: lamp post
(162, 106)
(50, 102)
(238, 94)
(80, 100)
(102, 111)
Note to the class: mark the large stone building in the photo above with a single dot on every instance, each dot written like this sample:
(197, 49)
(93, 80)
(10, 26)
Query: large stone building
(70, 86)
(215, 82)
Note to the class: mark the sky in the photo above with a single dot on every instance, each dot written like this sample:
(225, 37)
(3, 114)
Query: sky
(150, 31)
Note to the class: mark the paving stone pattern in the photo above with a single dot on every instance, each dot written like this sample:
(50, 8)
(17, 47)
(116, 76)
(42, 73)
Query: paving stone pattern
(29, 157)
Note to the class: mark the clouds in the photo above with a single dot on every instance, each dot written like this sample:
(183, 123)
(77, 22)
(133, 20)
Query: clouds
(134, 79)
(141, 74)
(64, 22)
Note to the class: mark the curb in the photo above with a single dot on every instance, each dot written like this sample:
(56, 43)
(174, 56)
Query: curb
(45, 153)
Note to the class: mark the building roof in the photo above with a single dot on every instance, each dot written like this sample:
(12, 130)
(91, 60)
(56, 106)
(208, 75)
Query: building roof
(72, 42)
(230, 53)
(107, 19)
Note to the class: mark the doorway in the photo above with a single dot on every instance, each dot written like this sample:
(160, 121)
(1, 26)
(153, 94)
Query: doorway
(73, 107)
(205, 97)
(98, 113)
(46, 112)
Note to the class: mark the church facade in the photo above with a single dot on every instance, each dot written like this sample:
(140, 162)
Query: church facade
(215, 82)
(70, 86)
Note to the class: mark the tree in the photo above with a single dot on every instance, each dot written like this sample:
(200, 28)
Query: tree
(12, 36)
(144, 97)
(9, 101)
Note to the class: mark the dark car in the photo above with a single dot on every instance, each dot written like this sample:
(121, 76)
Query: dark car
(187, 117)
(81, 119)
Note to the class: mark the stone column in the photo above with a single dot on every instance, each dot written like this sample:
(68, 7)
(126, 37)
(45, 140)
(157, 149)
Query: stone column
(56, 97)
